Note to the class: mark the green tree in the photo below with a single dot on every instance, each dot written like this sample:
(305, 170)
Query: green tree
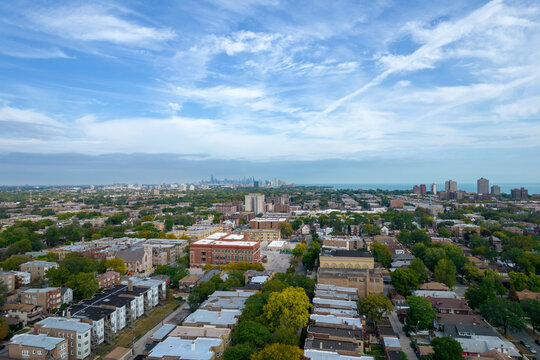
(432, 257)
(487, 289)
(84, 285)
(4, 328)
(14, 261)
(374, 306)
(286, 230)
(417, 266)
(504, 314)
(116, 264)
(254, 307)
(404, 280)
(288, 308)
(252, 333)
(284, 335)
(77, 263)
(238, 352)
(420, 315)
(532, 311)
(279, 352)
(445, 272)
(58, 276)
(382, 254)
(446, 348)
(519, 280)
(298, 250)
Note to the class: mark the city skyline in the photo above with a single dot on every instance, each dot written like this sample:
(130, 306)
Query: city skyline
(122, 91)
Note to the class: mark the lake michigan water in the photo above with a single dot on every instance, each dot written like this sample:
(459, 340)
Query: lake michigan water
(534, 188)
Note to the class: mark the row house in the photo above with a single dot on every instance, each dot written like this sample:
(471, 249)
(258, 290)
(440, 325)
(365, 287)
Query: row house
(23, 312)
(108, 279)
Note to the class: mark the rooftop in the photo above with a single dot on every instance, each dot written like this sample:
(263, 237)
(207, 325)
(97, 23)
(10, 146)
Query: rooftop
(162, 332)
(347, 253)
(65, 324)
(198, 349)
(222, 317)
(41, 341)
(336, 320)
(331, 355)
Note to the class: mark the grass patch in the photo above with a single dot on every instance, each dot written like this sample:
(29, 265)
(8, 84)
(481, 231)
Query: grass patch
(22, 331)
(145, 323)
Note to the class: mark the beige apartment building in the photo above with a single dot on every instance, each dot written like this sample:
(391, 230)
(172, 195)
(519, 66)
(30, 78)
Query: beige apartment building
(77, 333)
(264, 234)
(8, 279)
(350, 269)
(37, 268)
(48, 298)
(29, 346)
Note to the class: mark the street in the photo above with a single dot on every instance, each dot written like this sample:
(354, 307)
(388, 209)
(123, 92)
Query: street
(524, 335)
(175, 317)
(403, 339)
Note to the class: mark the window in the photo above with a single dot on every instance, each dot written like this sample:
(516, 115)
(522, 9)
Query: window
(39, 352)
(25, 353)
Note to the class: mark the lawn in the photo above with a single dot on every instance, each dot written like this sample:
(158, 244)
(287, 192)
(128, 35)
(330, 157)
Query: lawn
(145, 323)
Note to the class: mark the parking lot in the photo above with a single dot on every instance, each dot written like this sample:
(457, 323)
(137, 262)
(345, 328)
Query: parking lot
(277, 262)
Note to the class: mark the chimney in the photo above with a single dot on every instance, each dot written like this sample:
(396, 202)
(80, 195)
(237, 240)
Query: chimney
(205, 332)
(219, 314)
(193, 345)
(320, 345)
(130, 285)
(68, 314)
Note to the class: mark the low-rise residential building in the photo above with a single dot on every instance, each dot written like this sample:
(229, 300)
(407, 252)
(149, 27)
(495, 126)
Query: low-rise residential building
(221, 318)
(37, 268)
(23, 312)
(77, 332)
(48, 298)
(67, 295)
(108, 279)
(29, 346)
(342, 242)
(268, 235)
(177, 348)
(21, 278)
(267, 222)
(8, 279)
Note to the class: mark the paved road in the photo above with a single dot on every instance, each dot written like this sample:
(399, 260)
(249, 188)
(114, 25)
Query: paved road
(403, 339)
(173, 318)
(523, 335)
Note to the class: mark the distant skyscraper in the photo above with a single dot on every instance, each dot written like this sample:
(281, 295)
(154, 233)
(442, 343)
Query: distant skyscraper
(434, 189)
(255, 203)
(256, 183)
(423, 189)
(450, 186)
(519, 193)
(496, 190)
(482, 186)
(416, 189)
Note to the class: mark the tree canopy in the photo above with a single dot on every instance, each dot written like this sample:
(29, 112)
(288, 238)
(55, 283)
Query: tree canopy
(420, 315)
(288, 308)
(446, 348)
(278, 351)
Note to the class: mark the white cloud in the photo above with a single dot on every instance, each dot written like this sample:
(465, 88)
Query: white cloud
(174, 107)
(97, 23)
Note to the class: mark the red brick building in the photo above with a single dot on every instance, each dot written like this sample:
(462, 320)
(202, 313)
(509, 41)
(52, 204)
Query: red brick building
(267, 222)
(223, 248)
(108, 279)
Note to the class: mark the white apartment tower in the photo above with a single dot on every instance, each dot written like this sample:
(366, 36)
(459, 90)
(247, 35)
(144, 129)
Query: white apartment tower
(434, 189)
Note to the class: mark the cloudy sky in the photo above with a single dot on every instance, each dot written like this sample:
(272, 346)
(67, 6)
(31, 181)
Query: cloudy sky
(309, 91)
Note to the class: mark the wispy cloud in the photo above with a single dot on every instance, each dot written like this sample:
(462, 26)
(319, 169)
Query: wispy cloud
(97, 23)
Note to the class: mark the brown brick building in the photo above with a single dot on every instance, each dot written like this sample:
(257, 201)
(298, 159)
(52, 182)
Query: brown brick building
(222, 248)
(48, 298)
(29, 346)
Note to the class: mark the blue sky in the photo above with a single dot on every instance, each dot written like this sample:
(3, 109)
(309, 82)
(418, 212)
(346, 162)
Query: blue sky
(400, 91)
